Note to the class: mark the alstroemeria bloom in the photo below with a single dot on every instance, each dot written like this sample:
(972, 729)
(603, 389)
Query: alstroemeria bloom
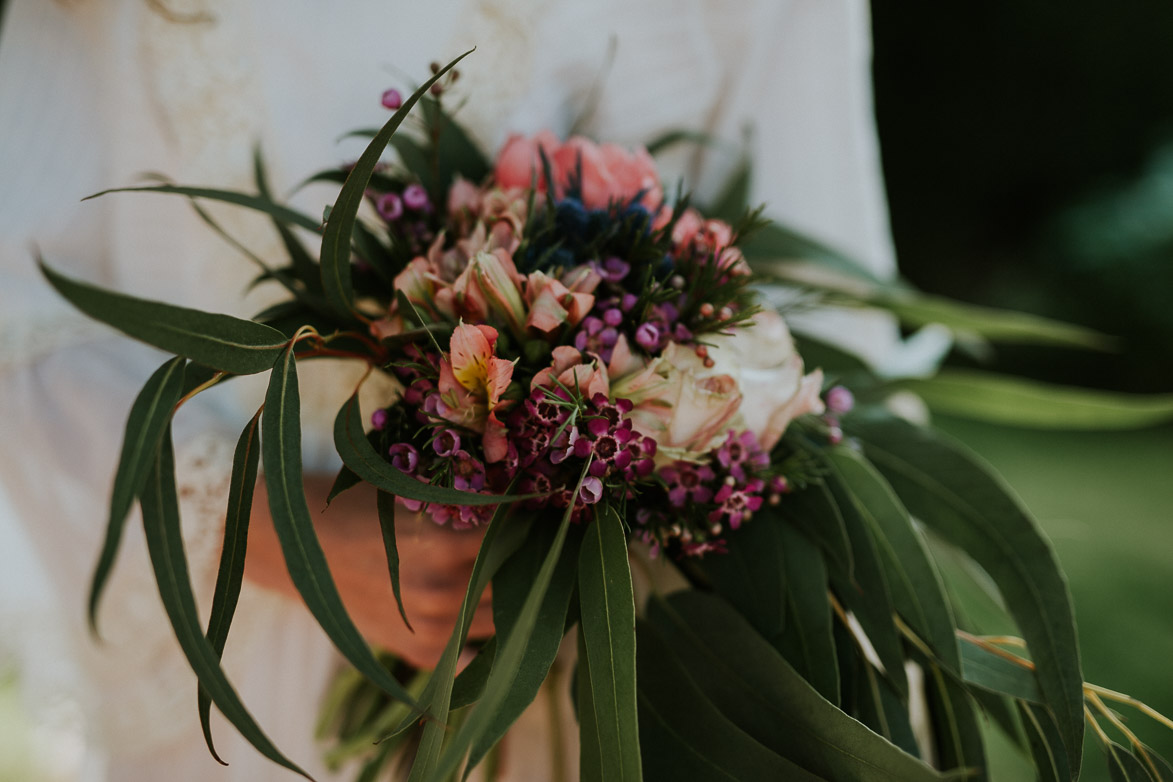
(472, 381)
(568, 369)
(679, 402)
(552, 304)
(489, 285)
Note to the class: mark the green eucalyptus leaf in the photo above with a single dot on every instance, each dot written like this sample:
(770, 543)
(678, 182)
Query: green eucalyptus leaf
(813, 509)
(684, 736)
(882, 709)
(982, 668)
(358, 454)
(470, 682)
(917, 590)
(752, 575)
(950, 490)
(230, 574)
(149, 416)
(304, 558)
(455, 153)
(1123, 766)
(955, 727)
(607, 617)
(260, 203)
(386, 507)
(1045, 743)
(751, 684)
(807, 640)
(160, 507)
(590, 751)
(503, 537)
(508, 661)
(223, 342)
(305, 267)
(510, 588)
(1012, 401)
(345, 479)
(335, 256)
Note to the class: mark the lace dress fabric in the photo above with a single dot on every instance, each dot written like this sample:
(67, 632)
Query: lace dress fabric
(95, 92)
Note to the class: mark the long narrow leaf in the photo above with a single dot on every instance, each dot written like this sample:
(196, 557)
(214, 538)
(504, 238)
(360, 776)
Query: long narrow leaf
(160, 507)
(240, 347)
(308, 569)
(1046, 745)
(358, 454)
(386, 506)
(259, 203)
(508, 658)
(335, 257)
(145, 426)
(232, 556)
(983, 668)
(807, 641)
(607, 606)
(952, 492)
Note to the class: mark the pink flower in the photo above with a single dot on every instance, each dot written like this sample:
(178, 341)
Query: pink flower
(552, 304)
(609, 172)
(567, 368)
(472, 381)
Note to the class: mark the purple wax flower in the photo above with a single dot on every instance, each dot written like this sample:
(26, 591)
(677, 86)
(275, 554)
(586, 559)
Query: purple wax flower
(840, 400)
(468, 473)
(390, 207)
(416, 198)
(613, 269)
(392, 99)
(379, 418)
(592, 490)
(404, 457)
(687, 483)
(613, 317)
(446, 443)
(628, 301)
(647, 336)
(741, 452)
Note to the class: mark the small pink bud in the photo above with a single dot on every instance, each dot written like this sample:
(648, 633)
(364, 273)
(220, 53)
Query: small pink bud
(392, 99)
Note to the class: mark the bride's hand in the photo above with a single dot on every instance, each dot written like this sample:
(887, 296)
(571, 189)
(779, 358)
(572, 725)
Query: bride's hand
(435, 564)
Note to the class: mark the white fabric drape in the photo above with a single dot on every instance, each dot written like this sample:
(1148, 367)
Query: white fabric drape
(95, 92)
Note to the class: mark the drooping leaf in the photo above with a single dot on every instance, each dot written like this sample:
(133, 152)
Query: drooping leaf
(1046, 745)
(240, 347)
(1012, 401)
(684, 736)
(917, 590)
(814, 511)
(752, 685)
(982, 668)
(607, 616)
(230, 574)
(503, 536)
(882, 709)
(357, 454)
(160, 507)
(304, 558)
(303, 264)
(956, 732)
(952, 492)
(335, 256)
(508, 660)
(590, 751)
(386, 507)
(1123, 766)
(345, 479)
(148, 419)
(454, 151)
(807, 641)
(470, 682)
(259, 203)
(511, 585)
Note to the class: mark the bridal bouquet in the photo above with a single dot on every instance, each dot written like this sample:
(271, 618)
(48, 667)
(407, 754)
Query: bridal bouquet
(584, 369)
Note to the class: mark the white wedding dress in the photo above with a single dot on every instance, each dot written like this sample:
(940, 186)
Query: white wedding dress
(95, 92)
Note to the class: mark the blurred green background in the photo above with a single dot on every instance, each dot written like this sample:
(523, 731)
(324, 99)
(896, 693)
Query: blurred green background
(1028, 154)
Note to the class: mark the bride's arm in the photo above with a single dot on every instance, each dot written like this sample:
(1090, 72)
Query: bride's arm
(435, 564)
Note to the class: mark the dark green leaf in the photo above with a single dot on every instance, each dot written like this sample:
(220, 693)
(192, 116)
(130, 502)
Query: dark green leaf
(386, 508)
(1017, 402)
(807, 641)
(232, 557)
(304, 266)
(508, 660)
(160, 507)
(757, 689)
(881, 709)
(952, 492)
(590, 752)
(229, 344)
(1046, 745)
(454, 152)
(304, 558)
(813, 510)
(607, 616)
(259, 203)
(955, 727)
(346, 479)
(335, 255)
(684, 736)
(148, 419)
(1123, 766)
(358, 455)
(917, 590)
(510, 588)
(983, 668)
(470, 682)
(752, 576)
(775, 242)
